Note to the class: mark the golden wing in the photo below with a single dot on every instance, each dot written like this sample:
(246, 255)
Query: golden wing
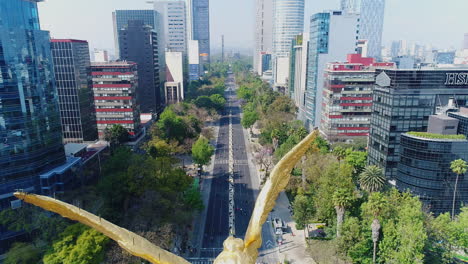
(133, 243)
(266, 200)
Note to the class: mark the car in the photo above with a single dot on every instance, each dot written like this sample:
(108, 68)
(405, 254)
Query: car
(278, 223)
(278, 231)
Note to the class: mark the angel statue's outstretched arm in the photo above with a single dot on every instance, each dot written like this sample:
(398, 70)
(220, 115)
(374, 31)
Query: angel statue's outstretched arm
(133, 243)
(266, 200)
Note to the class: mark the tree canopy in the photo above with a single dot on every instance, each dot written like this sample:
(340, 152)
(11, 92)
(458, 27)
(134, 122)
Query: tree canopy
(202, 151)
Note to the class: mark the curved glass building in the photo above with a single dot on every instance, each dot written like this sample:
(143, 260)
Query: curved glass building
(30, 127)
(288, 22)
(424, 169)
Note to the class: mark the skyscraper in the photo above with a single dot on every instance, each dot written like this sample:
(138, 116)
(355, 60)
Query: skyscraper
(372, 14)
(121, 18)
(173, 23)
(263, 31)
(288, 22)
(371, 25)
(332, 37)
(139, 43)
(298, 71)
(200, 23)
(351, 6)
(30, 129)
(403, 100)
(71, 63)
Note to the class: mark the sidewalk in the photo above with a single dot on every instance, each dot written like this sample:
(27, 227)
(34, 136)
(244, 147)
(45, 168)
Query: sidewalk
(294, 247)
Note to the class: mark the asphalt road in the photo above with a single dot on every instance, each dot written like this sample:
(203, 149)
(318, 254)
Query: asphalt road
(217, 220)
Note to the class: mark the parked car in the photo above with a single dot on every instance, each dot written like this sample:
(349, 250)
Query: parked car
(278, 231)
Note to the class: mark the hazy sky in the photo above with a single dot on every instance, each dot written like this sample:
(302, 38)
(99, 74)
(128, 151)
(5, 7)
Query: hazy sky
(437, 22)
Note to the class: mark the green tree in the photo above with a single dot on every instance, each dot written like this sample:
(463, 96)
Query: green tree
(339, 152)
(245, 93)
(193, 198)
(202, 151)
(203, 102)
(404, 233)
(342, 198)
(218, 102)
(158, 147)
(303, 210)
(458, 167)
(375, 205)
(372, 179)
(22, 253)
(322, 145)
(329, 179)
(357, 159)
(355, 241)
(77, 244)
(116, 134)
(173, 126)
(249, 118)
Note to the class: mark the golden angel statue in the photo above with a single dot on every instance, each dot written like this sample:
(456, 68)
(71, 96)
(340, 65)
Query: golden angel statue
(236, 250)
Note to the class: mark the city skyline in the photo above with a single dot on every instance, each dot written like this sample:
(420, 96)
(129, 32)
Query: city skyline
(398, 14)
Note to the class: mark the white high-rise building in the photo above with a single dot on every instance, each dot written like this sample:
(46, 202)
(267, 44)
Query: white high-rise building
(298, 80)
(371, 22)
(288, 22)
(332, 37)
(263, 32)
(174, 86)
(174, 24)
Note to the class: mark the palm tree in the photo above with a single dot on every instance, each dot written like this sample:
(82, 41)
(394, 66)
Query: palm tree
(376, 204)
(372, 179)
(459, 167)
(342, 198)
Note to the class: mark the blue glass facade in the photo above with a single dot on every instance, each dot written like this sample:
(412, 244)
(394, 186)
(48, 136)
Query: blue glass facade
(30, 128)
(194, 70)
(318, 44)
(201, 27)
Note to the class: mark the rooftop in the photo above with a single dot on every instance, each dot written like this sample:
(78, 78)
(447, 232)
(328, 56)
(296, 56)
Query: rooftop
(437, 136)
(69, 40)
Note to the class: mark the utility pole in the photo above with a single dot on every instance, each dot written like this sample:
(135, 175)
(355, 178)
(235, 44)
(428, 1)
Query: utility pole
(222, 48)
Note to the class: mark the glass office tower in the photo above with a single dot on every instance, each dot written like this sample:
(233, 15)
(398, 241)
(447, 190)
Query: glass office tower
(288, 22)
(76, 101)
(403, 100)
(30, 129)
(120, 20)
(201, 28)
(372, 14)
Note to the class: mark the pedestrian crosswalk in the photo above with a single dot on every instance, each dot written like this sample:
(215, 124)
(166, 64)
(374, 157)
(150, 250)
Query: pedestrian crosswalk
(236, 162)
